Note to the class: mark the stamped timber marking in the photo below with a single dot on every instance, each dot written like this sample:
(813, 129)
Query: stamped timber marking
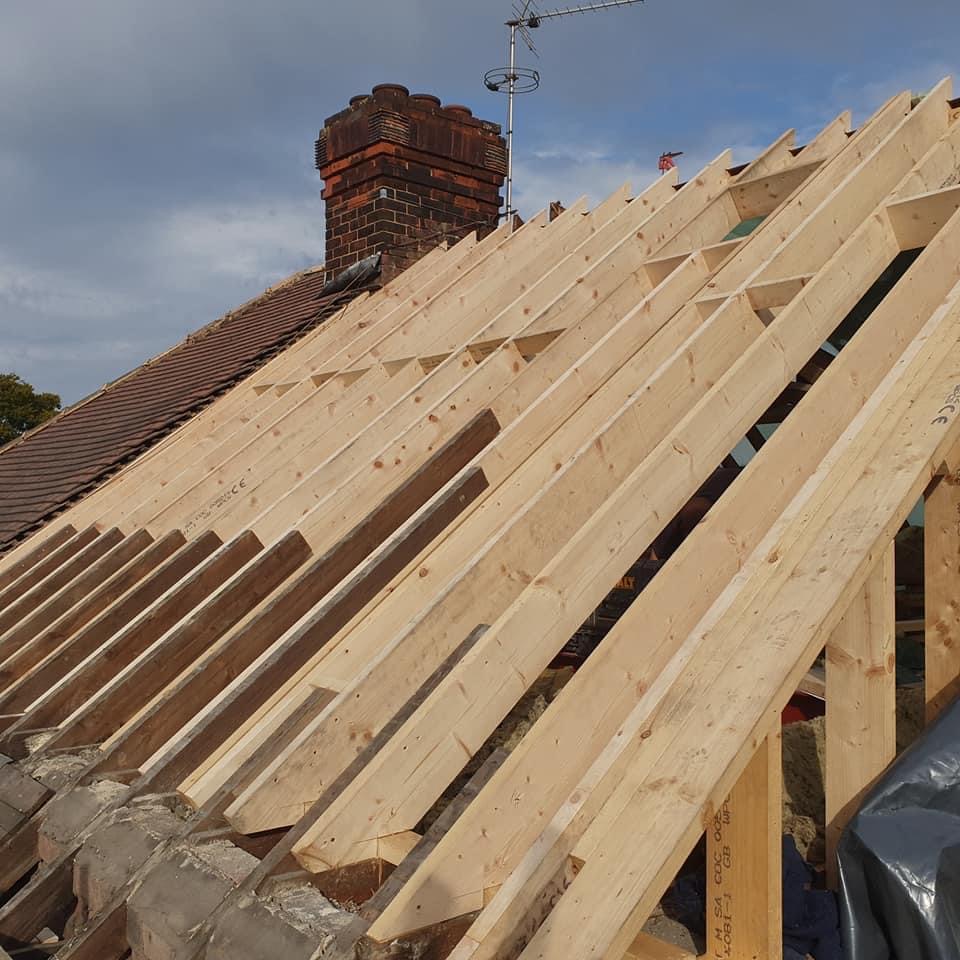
(950, 405)
(538, 911)
(722, 901)
(204, 513)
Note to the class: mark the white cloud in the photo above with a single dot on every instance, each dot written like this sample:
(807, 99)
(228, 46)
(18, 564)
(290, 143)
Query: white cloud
(258, 242)
(155, 168)
(41, 363)
(570, 170)
(849, 92)
(70, 329)
(564, 151)
(127, 60)
(536, 186)
(56, 293)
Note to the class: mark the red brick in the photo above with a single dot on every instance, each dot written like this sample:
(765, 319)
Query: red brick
(441, 174)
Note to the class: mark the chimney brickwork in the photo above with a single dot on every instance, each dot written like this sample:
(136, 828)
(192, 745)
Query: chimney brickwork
(402, 173)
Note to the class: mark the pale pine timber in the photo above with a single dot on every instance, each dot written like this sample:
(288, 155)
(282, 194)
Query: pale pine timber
(941, 560)
(680, 194)
(760, 633)
(861, 724)
(727, 555)
(425, 755)
(554, 355)
(744, 873)
(340, 720)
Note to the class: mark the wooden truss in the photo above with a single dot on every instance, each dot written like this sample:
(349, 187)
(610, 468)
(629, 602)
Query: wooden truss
(306, 610)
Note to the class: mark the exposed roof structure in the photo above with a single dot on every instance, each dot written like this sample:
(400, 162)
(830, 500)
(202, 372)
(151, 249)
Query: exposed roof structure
(284, 632)
(68, 456)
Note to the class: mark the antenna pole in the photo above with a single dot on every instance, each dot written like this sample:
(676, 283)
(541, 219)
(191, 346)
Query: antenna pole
(511, 92)
(524, 80)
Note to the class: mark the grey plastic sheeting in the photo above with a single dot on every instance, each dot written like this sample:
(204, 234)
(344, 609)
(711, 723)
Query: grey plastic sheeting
(899, 857)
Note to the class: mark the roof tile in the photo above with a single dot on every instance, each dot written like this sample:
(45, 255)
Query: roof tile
(59, 462)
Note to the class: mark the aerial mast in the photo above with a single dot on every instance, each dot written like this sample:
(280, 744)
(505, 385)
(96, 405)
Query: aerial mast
(514, 80)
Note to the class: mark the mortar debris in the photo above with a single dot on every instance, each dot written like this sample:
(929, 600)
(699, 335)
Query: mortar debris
(60, 769)
(107, 790)
(226, 858)
(38, 741)
(804, 765)
(306, 908)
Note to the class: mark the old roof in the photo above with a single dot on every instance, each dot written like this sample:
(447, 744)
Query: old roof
(71, 454)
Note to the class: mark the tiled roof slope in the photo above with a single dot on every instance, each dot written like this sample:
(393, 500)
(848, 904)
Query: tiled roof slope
(81, 447)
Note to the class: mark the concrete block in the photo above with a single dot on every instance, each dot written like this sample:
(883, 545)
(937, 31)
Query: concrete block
(295, 921)
(178, 895)
(20, 797)
(10, 819)
(66, 816)
(60, 770)
(114, 851)
(20, 791)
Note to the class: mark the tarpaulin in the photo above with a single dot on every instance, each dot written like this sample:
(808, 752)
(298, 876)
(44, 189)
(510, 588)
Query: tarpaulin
(899, 857)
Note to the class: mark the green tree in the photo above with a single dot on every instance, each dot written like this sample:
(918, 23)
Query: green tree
(21, 407)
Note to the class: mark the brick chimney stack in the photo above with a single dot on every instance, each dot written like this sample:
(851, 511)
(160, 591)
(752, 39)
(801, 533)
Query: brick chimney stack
(402, 173)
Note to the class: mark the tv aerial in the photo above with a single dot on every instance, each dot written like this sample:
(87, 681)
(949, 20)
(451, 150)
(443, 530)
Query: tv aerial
(513, 80)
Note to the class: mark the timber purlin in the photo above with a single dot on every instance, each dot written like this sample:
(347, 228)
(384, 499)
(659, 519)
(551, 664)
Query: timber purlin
(51, 902)
(47, 564)
(441, 484)
(13, 571)
(104, 592)
(157, 725)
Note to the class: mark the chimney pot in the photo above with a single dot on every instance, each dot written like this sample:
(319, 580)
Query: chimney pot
(426, 98)
(459, 109)
(359, 98)
(391, 88)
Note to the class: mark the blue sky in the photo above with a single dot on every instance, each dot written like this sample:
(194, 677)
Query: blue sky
(156, 158)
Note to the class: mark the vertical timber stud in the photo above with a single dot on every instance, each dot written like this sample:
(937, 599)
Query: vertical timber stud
(861, 701)
(744, 908)
(941, 561)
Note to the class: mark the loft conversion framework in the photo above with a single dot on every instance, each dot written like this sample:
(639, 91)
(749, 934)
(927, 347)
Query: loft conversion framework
(237, 676)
